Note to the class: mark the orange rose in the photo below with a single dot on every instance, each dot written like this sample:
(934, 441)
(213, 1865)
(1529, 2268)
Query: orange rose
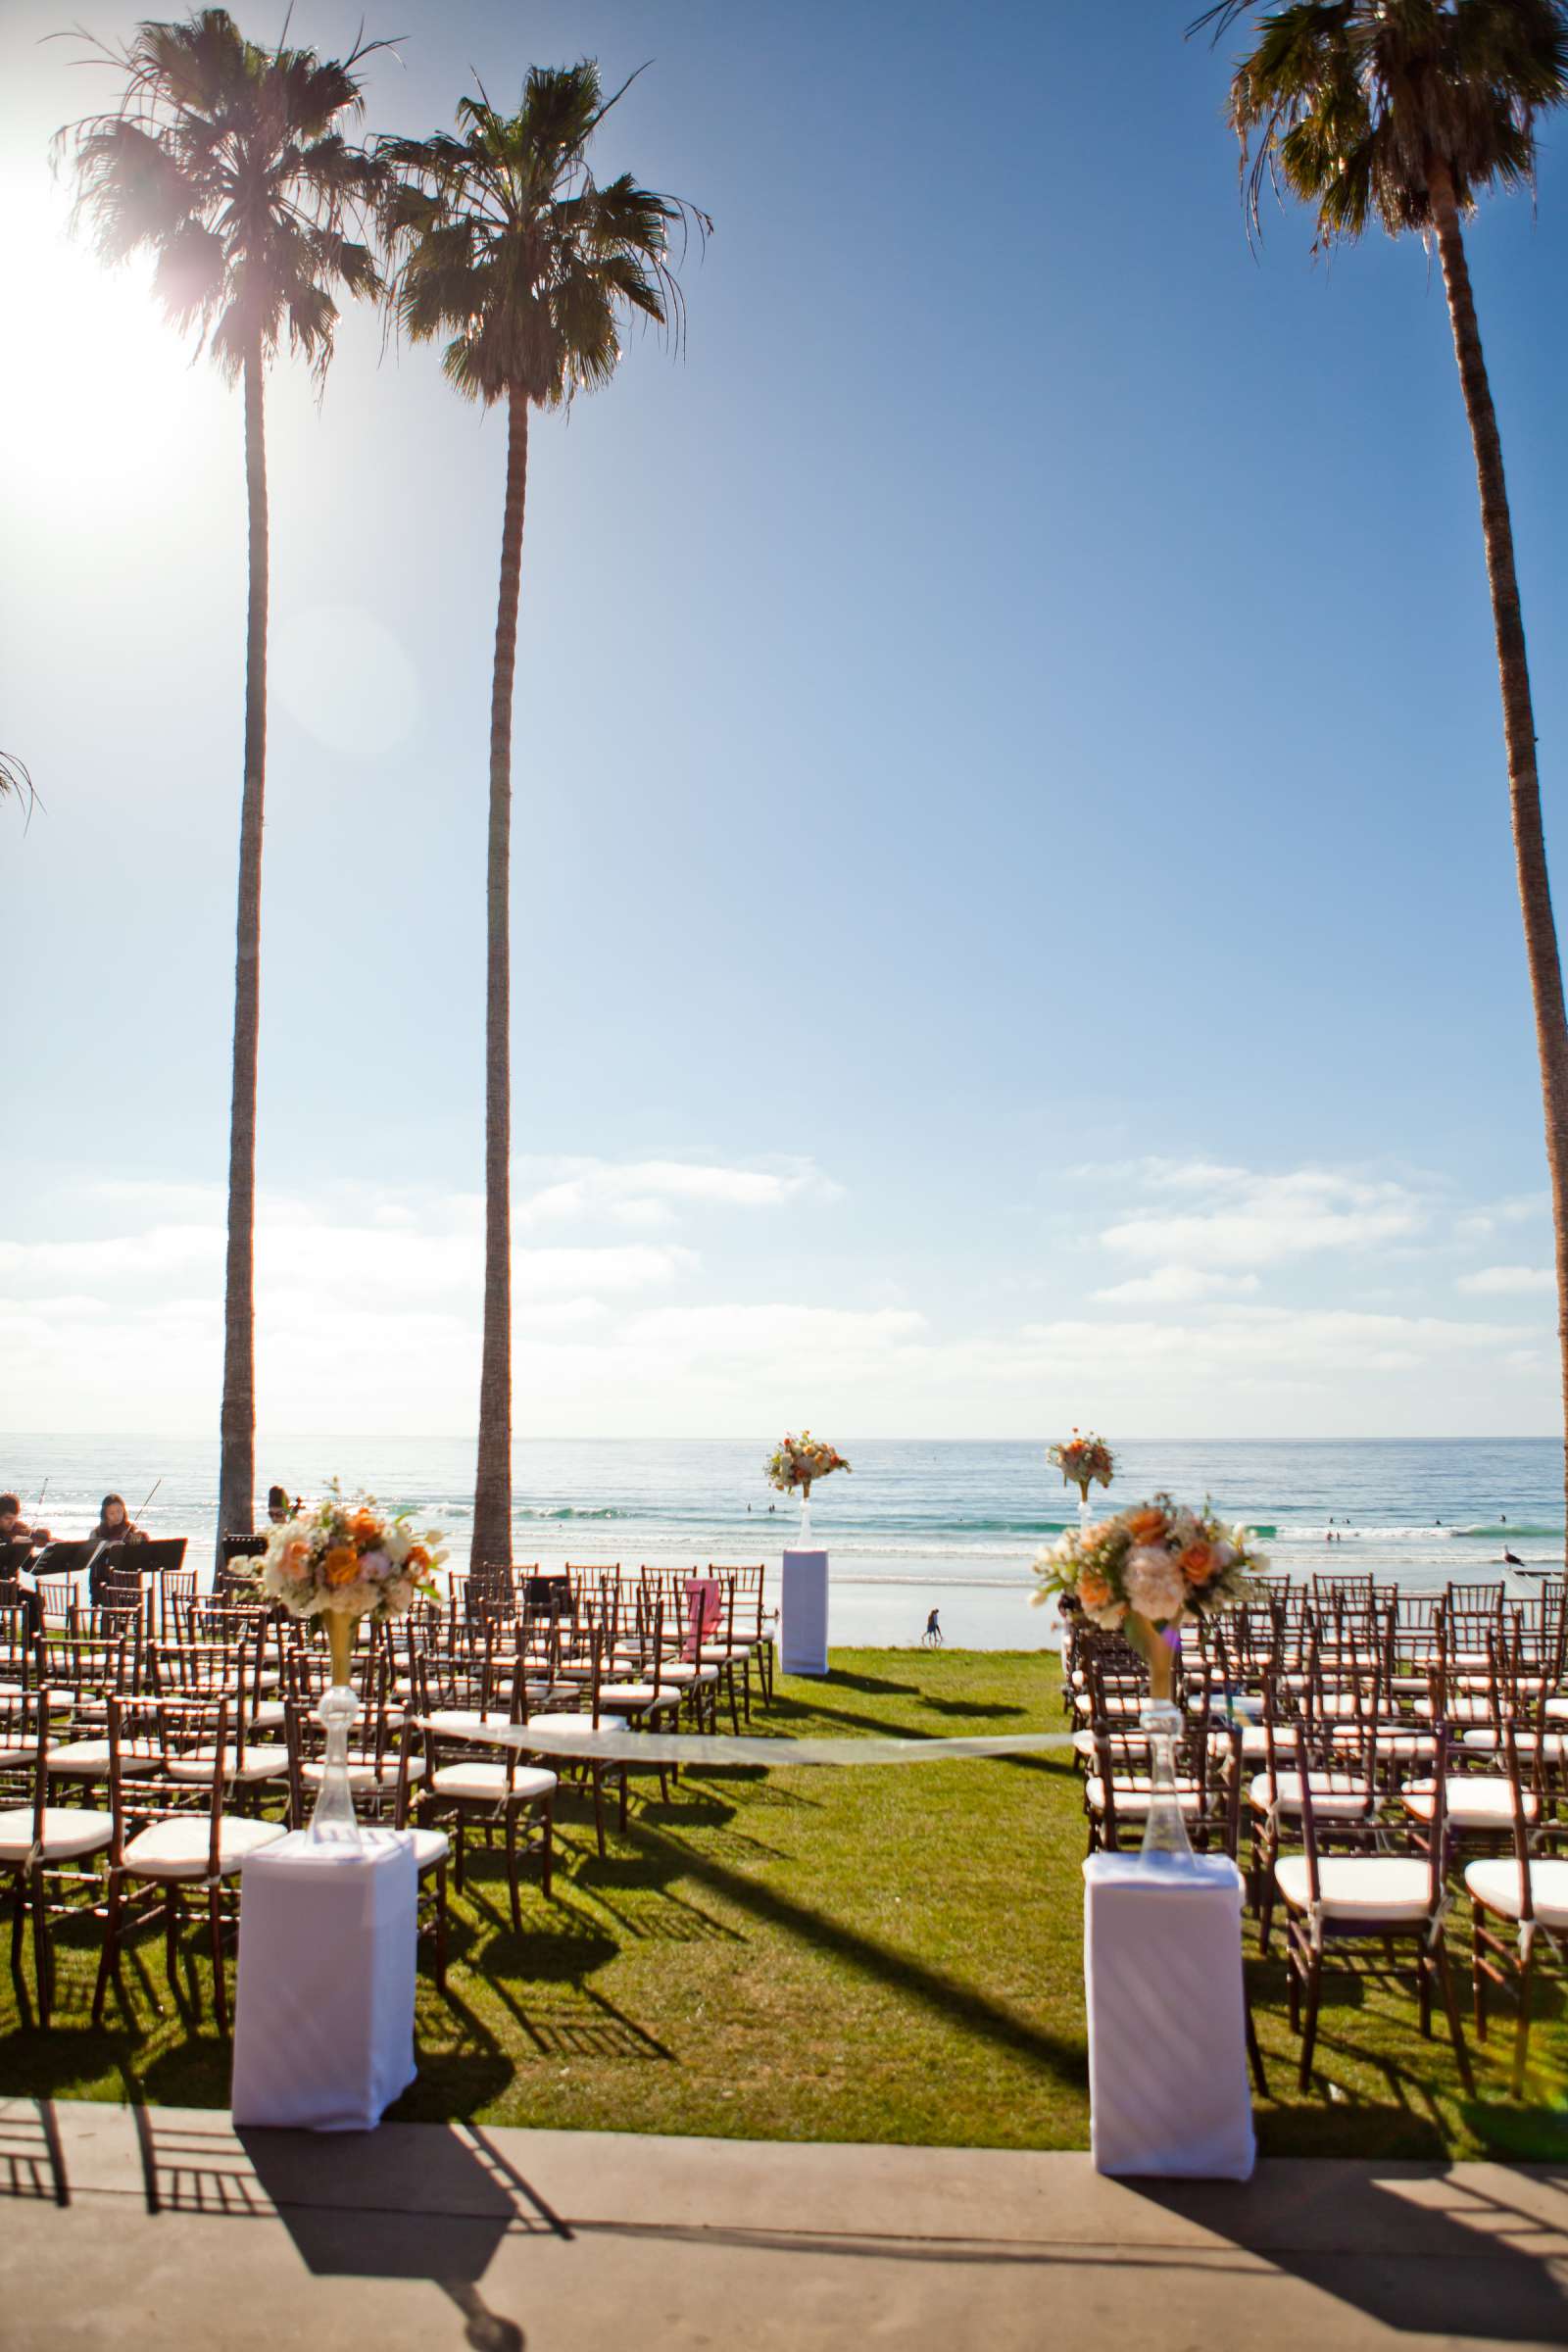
(1197, 1562)
(1146, 1527)
(1093, 1590)
(341, 1565)
(296, 1559)
(419, 1557)
(365, 1528)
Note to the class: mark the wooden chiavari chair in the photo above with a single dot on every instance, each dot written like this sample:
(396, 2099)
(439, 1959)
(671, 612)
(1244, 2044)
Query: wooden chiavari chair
(1335, 1902)
(173, 1835)
(51, 1853)
(22, 1648)
(596, 1715)
(486, 1784)
(745, 1629)
(86, 1673)
(1518, 1905)
(1309, 1763)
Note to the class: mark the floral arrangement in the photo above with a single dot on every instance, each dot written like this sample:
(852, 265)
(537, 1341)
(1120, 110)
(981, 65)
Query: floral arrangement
(1083, 1461)
(1158, 1562)
(799, 1461)
(349, 1559)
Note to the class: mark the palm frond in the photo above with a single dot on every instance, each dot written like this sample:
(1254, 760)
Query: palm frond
(506, 247)
(1353, 105)
(227, 161)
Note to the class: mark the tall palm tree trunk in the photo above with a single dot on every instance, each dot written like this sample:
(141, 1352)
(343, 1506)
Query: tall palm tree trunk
(492, 1494)
(236, 1484)
(1519, 730)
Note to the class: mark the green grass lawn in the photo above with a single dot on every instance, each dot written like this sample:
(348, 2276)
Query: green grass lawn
(892, 1954)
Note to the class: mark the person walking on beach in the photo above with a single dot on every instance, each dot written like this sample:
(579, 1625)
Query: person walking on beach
(932, 1636)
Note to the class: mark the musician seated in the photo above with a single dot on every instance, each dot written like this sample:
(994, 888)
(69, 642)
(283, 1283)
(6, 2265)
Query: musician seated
(115, 1525)
(12, 1528)
(12, 1588)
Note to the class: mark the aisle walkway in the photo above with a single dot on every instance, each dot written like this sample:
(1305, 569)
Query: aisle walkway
(160, 2226)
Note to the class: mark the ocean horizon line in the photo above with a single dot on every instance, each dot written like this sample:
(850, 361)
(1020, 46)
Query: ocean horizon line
(436, 1437)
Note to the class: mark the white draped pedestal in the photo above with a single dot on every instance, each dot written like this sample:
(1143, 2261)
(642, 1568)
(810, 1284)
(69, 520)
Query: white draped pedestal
(1167, 2018)
(803, 1613)
(324, 2005)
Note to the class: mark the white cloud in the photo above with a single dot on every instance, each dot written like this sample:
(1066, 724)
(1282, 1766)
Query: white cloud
(1245, 1219)
(652, 1192)
(1175, 1286)
(1481, 1224)
(1508, 1282)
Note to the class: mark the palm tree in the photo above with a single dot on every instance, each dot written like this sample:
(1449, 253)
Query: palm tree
(507, 248)
(1405, 112)
(228, 163)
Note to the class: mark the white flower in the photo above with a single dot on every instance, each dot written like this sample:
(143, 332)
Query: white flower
(1153, 1581)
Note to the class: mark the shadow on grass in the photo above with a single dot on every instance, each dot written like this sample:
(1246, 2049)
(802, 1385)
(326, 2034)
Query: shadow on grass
(838, 1680)
(978, 1710)
(954, 2001)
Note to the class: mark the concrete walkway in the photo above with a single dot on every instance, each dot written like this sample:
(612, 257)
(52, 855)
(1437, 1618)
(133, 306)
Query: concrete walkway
(160, 2226)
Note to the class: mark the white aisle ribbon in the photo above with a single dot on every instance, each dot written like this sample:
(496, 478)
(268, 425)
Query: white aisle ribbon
(778, 1755)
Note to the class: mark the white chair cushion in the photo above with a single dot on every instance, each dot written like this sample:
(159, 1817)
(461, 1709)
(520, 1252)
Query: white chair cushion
(177, 1849)
(486, 1784)
(1553, 1744)
(430, 1846)
(1496, 1884)
(643, 1695)
(1405, 1747)
(365, 1774)
(1133, 1795)
(88, 1759)
(253, 1764)
(1337, 1795)
(1254, 1743)
(67, 1833)
(1473, 1802)
(1391, 1887)
(676, 1670)
(460, 1723)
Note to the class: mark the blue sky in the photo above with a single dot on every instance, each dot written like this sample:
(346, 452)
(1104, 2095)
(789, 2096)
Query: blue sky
(1014, 917)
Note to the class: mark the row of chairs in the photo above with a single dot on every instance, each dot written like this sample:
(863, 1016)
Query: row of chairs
(1370, 1754)
(139, 1767)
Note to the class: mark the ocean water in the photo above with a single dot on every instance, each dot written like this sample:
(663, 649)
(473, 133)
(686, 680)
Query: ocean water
(916, 1525)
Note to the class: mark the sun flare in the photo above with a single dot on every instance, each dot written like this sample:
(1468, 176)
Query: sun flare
(119, 387)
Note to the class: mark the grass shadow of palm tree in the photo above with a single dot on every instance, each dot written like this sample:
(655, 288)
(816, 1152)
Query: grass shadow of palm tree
(839, 1679)
(954, 2001)
(972, 1710)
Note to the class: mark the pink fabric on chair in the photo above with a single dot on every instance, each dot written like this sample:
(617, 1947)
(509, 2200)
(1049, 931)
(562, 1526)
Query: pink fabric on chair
(703, 1606)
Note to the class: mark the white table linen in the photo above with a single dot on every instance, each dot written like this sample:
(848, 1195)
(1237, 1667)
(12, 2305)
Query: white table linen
(1167, 2018)
(324, 2005)
(803, 1613)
